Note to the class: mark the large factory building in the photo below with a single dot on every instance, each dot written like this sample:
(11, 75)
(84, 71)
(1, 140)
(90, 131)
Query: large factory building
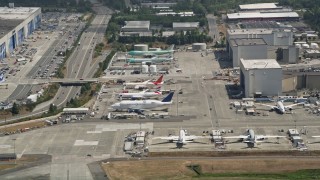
(16, 23)
(261, 77)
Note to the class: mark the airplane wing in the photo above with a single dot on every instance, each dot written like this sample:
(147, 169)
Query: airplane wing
(169, 138)
(290, 106)
(271, 106)
(191, 137)
(236, 137)
(259, 137)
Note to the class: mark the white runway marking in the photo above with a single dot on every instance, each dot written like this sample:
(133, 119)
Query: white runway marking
(85, 143)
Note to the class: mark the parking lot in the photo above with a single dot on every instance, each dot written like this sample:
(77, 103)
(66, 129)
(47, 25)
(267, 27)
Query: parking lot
(41, 54)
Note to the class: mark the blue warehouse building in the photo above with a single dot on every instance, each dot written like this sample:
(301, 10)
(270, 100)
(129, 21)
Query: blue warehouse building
(16, 24)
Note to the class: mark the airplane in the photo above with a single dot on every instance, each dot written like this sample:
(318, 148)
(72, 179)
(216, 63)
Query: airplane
(142, 94)
(140, 105)
(251, 139)
(2, 78)
(280, 108)
(151, 60)
(145, 83)
(160, 52)
(182, 139)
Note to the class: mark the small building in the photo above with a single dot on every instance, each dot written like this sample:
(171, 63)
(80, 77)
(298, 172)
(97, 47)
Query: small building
(168, 33)
(263, 16)
(140, 140)
(291, 54)
(259, 6)
(78, 111)
(295, 140)
(247, 48)
(136, 26)
(185, 26)
(293, 132)
(260, 75)
(128, 146)
(312, 53)
(8, 156)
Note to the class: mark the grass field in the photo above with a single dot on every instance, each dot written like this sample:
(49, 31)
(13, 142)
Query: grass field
(6, 166)
(272, 168)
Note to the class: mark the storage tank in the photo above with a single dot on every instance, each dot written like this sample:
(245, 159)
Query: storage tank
(153, 69)
(305, 46)
(199, 46)
(144, 69)
(141, 47)
(298, 46)
(314, 46)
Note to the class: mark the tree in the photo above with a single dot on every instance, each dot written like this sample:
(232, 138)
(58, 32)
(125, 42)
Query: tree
(52, 108)
(15, 109)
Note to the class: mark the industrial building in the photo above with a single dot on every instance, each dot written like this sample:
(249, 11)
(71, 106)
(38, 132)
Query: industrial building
(158, 5)
(260, 77)
(275, 37)
(259, 7)
(16, 24)
(290, 54)
(252, 48)
(312, 53)
(185, 26)
(262, 16)
(136, 26)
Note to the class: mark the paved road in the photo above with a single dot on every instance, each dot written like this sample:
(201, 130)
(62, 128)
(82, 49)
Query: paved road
(213, 28)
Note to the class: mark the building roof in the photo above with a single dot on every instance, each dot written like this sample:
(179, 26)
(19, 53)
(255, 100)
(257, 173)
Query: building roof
(312, 51)
(137, 24)
(258, 6)
(17, 12)
(247, 42)
(252, 15)
(185, 24)
(12, 17)
(249, 31)
(260, 64)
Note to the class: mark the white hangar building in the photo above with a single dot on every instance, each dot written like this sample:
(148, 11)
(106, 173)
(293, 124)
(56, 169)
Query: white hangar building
(262, 76)
(16, 23)
(247, 49)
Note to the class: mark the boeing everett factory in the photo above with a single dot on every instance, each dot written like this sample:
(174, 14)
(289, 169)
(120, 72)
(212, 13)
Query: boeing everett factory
(16, 23)
(255, 95)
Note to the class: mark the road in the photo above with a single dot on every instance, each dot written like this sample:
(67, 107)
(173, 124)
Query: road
(24, 88)
(79, 63)
(213, 28)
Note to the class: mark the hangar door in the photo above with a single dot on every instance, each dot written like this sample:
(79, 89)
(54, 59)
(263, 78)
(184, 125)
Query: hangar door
(30, 27)
(37, 22)
(12, 43)
(2, 51)
(20, 36)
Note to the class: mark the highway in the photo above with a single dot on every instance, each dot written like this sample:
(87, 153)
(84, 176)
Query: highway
(79, 63)
(24, 88)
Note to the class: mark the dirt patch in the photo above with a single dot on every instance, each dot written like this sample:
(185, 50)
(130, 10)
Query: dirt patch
(21, 127)
(6, 166)
(176, 169)
(222, 28)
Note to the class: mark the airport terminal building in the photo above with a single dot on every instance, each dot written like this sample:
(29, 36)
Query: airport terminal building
(16, 23)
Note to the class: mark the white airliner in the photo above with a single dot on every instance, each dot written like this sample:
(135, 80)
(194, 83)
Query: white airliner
(145, 83)
(182, 139)
(142, 94)
(251, 139)
(142, 104)
(280, 108)
(2, 78)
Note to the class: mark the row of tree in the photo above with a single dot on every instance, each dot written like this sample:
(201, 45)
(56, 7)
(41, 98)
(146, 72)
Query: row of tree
(178, 38)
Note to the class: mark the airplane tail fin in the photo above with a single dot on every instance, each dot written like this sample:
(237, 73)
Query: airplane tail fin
(1, 77)
(170, 47)
(159, 80)
(168, 98)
